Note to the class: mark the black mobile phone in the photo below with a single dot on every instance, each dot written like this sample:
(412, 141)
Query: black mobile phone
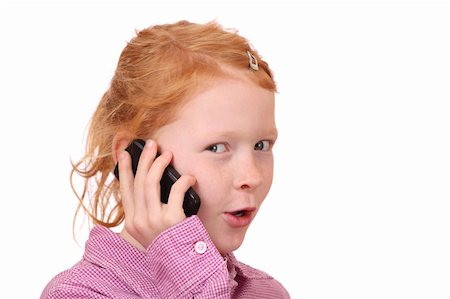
(191, 202)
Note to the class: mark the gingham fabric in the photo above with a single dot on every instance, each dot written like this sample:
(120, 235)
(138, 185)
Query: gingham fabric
(176, 265)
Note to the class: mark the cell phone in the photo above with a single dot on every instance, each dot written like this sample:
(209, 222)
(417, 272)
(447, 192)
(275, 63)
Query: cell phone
(191, 202)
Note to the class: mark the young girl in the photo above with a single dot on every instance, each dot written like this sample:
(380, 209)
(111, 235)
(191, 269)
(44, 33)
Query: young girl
(204, 99)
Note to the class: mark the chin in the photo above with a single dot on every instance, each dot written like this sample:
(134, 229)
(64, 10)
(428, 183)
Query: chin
(228, 245)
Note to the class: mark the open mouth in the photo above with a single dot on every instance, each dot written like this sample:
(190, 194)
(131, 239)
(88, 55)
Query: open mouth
(239, 218)
(240, 213)
(244, 213)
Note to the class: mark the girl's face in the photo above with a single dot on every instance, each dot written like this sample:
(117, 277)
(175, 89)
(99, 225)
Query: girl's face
(223, 137)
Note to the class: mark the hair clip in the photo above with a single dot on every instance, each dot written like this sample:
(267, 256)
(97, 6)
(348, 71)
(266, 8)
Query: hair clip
(252, 61)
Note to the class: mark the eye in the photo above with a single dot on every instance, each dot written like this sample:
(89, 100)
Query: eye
(217, 148)
(263, 145)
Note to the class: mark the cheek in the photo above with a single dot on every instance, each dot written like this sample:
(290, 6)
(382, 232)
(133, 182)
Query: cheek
(270, 174)
(212, 190)
(208, 175)
(267, 172)
(267, 163)
(211, 183)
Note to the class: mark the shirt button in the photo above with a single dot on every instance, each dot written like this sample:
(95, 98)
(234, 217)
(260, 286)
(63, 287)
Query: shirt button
(200, 247)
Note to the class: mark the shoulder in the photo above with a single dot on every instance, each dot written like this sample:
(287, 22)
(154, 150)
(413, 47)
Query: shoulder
(83, 280)
(245, 270)
(63, 284)
(256, 283)
(250, 272)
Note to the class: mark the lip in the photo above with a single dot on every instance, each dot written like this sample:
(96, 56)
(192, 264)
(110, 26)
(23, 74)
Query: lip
(240, 221)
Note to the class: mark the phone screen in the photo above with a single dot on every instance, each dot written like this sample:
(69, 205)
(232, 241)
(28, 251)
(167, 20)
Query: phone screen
(191, 202)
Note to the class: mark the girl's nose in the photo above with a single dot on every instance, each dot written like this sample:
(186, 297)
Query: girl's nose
(248, 173)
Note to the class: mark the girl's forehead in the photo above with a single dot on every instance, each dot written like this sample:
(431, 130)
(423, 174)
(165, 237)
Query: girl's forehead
(223, 102)
(230, 92)
(229, 103)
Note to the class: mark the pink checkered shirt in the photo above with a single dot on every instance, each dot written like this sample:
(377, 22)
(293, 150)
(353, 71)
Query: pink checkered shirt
(182, 262)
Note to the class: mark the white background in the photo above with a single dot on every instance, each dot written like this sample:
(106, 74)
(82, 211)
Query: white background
(360, 202)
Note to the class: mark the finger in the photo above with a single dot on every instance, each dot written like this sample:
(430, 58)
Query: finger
(153, 187)
(126, 183)
(176, 196)
(145, 162)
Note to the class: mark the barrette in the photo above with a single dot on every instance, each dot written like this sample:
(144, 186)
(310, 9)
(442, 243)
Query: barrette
(252, 61)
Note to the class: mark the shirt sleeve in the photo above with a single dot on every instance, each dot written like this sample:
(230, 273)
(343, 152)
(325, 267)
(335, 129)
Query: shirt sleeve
(184, 263)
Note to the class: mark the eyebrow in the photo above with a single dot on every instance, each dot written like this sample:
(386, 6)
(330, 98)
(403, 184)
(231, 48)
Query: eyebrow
(272, 132)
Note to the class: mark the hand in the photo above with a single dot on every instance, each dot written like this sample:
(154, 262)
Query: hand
(145, 215)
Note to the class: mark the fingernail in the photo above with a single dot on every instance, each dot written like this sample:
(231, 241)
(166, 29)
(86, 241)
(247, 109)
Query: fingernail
(149, 143)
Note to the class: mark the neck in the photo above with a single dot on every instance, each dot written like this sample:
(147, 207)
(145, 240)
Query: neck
(127, 237)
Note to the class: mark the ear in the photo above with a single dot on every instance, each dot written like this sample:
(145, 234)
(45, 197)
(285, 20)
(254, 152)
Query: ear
(120, 142)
